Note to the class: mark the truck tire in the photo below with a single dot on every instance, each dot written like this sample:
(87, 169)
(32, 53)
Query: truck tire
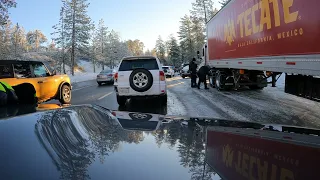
(259, 78)
(212, 81)
(121, 100)
(141, 80)
(219, 80)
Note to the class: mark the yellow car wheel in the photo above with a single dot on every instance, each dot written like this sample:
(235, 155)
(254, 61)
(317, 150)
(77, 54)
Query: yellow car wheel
(65, 96)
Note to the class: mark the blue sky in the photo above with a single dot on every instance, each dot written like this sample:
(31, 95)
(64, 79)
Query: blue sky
(133, 19)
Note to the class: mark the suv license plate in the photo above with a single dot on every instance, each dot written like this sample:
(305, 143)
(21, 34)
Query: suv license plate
(124, 90)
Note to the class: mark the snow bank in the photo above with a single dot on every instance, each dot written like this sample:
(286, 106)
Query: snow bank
(88, 66)
(82, 76)
(87, 73)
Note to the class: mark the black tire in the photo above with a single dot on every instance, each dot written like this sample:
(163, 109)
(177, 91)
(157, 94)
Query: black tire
(121, 100)
(65, 94)
(146, 80)
(183, 77)
(212, 82)
(219, 81)
(164, 100)
(99, 83)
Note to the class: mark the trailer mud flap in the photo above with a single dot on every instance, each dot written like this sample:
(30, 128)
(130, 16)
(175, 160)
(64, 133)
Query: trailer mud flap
(303, 86)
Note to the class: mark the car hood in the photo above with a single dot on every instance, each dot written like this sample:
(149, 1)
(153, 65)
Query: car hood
(91, 142)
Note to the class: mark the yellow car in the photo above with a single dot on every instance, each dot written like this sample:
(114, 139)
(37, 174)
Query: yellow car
(47, 84)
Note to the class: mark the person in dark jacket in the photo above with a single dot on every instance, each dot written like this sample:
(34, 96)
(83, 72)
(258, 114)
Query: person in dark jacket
(202, 74)
(193, 69)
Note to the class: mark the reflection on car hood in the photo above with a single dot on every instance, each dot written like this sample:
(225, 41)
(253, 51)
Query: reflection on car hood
(91, 142)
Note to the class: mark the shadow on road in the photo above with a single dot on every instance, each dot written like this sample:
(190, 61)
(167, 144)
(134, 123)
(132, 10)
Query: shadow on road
(105, 85)
(144, 106)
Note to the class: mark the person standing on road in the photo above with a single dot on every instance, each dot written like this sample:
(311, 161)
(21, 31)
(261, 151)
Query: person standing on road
(7, 94)
(193, 69)
(202, 74)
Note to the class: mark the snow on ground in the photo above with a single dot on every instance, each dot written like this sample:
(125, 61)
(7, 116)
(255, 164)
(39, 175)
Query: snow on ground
(82, 76)
(87, 74)
(88, 66)
(270, 105)
(175, 107)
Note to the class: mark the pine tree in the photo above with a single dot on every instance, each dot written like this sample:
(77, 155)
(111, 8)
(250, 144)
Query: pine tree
(35, 39)
(160, 49)
(224, 2)
(174, 51)
(186, 38)
(148, 53)
(5, 40)
(77, 28)
(60, 39)
(203, 9)
(197, 33)
(18, 40)
(154, 52)
(135, 47)
(100, 43)
(4, 6)
(113, 48)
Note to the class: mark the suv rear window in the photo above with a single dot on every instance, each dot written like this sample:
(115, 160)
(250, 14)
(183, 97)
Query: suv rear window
(128, 65)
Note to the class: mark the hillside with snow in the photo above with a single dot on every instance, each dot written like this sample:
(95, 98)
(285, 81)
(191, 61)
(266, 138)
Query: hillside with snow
(84, 71)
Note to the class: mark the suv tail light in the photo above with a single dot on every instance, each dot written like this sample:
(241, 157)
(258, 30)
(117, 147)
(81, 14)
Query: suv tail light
(162, 77)
(116, 76)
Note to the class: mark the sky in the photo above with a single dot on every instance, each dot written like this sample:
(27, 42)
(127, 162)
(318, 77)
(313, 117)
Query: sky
(132, 19)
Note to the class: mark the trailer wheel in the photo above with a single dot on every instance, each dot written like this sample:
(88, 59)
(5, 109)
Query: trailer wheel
(212, 81)
(219, 80)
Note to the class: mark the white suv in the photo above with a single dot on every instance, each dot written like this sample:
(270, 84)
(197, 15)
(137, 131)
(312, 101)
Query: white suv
(168, 71)
(140, 77)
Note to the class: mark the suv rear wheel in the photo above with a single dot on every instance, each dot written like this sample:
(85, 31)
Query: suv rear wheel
(65, 94)
(141, 80)
(121, 100)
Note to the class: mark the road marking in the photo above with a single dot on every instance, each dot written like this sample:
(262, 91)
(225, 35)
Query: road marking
(173, 78)
(105, 95)
(171, 85)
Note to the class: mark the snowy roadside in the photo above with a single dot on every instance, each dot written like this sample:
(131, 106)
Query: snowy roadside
(175, 107)
(88, 73)
(270, 105)
(80, 77)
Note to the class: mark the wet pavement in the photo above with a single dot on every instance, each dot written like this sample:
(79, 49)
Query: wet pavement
(270, 105)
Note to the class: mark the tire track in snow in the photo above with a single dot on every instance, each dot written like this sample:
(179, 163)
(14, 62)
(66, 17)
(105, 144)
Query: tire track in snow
(270, 105)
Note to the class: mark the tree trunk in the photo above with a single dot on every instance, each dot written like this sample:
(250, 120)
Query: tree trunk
(94, 66)
(73, 37)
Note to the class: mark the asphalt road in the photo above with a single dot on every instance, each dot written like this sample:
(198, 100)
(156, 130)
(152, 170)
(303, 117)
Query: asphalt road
(270, 105)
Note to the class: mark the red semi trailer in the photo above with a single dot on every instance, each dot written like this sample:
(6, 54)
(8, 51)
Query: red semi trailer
(252, 40)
